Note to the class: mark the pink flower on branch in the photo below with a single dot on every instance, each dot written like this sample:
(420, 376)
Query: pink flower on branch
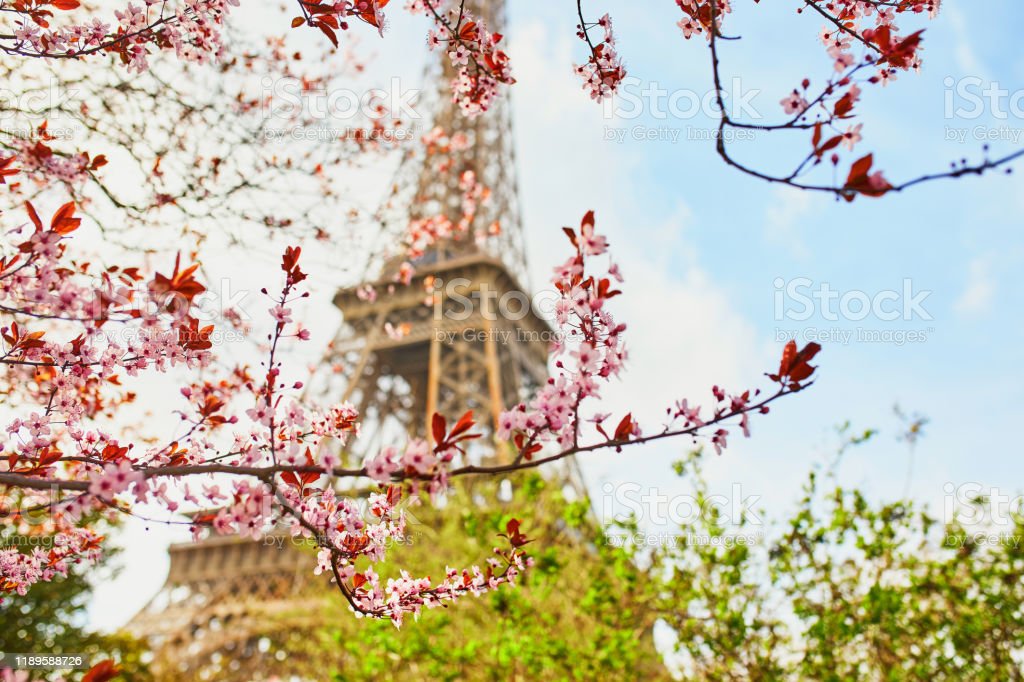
(275, 455)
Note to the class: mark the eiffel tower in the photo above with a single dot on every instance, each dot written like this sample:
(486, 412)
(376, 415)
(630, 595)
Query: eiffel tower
(469, 340)
(462, 334)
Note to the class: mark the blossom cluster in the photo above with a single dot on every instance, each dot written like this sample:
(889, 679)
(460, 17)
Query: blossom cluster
(589, 353)
(699, 16)
(192, 29)
(278, 435)
(603, 71)
(250, 454)
(345, 534)
(71, 544)
(58, 352)
(424, 232)
(867, 25)
(46, 164)
(872, 27)
(480, 66)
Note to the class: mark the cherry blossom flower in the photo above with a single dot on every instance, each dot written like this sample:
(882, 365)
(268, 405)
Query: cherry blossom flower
(113, 479)
(852, 136)
(794, 103)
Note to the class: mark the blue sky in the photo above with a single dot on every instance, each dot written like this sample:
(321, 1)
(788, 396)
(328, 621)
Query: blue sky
(958, 239)
(701, 246)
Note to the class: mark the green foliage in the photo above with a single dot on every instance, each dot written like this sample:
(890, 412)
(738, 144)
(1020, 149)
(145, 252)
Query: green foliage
(51, 617)
(582, 613)
(846, 589)
(843, 588)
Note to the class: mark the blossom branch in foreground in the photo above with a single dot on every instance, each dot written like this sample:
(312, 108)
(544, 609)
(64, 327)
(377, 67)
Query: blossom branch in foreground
(193, 29)
(480, 65)
(861, 38)
(868, 24)
(249, 455)
(603, 72)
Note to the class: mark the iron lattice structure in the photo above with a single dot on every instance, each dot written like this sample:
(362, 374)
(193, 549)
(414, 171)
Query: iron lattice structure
(462, 335)
(226, 602)
(470, 341)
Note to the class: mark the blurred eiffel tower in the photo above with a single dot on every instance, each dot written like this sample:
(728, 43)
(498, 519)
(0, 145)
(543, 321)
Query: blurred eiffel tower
(462, 334)
(439, 343)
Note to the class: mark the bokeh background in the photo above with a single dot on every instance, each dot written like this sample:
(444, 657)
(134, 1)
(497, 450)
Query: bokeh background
(704, 250)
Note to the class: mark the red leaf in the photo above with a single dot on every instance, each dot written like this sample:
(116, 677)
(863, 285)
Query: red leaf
(860, 167)
(800, 370)
(859, 182)
(794, 365)
(192, 337)
(625, 428)
(604, 289)
(49, 455)
(290, 258)
(5, 171)
(830, 143)
(33, 216)
(178, 290)
(464, 424)
(328, 20)
(290, 264)
(64, 220)
(788, 353)
(515, 537)
(469, 31)
(102, 672)
(844, 106)
(329, 32)
(437, 427)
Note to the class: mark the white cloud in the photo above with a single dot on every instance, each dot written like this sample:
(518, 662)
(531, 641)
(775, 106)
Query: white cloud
(976, 298)
(683, 333)
(966, 58)
(782, 219)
